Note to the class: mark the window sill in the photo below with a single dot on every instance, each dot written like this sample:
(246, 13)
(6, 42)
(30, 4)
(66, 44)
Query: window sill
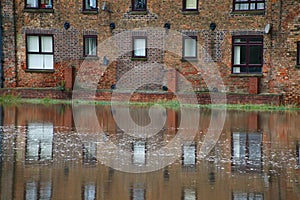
(39, 10)
(142, 12)
(189, 59)
(91, 58)
(248, 12)
(95, 11)
(247, 75)
(190, 12)
(39, 70)
(139, 59)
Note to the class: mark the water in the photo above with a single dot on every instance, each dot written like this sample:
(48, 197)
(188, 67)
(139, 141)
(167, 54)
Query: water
(43, 156)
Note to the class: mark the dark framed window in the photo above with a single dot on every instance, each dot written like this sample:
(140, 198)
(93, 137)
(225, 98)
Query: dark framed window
(248, 5)
(90, 5)
(190, 5)
(247, 56)
(139, 5)
(44, 4)
(298, 53)
(189, 47)
(90, 45)
(40, 52)
(139, 46)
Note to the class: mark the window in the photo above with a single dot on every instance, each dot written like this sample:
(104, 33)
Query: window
(44, 4)
(247, 54)
(190, 5)
(139, 47)
(248, 5)
(35, 190)
(39, 52)
(139, 5)
(189, 47)
(90, 46)
(89, 152)
(189, 155)
(90, 5)
(39, 141)
(298, 53)
(139, 153)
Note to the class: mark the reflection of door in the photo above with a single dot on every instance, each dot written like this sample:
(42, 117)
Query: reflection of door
(39, 139)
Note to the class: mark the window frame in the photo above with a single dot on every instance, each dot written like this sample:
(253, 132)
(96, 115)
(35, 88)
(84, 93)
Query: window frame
(39, 5)
(84, 8)
(133, 45)
(84, 45)
(183, 48)
(247, 44)
(184, 3)
(248, 2)
(134, 9)
(40, 51)
(298, 54)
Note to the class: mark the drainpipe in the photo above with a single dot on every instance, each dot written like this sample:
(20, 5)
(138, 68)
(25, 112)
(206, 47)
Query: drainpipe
(1, 49)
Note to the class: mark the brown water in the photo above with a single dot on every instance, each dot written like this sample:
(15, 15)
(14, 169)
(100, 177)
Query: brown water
(44, 157)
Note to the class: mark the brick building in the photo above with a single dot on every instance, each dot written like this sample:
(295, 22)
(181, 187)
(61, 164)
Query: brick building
(254, 44)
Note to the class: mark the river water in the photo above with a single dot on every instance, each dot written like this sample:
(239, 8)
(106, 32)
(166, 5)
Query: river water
(45, 156)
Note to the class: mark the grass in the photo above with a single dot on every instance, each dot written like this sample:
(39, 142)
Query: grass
(172, 104)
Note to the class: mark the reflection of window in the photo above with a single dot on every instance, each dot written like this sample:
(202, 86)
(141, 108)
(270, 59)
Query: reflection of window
(89, 152)
(138, 192)
(189, 194)
(38, 4)
(245, 5)
(247, 54)
(190, 5)
(139, 47)
(247, 150)
(38, 190)
(39, 141)
(39, 52)
(139, 5)
(247, 196)
(89, 191)
(189, 47)
(90, 45)
(139, 153)
(298, 53)
(298, 153)
(189, 155)
(90, 5)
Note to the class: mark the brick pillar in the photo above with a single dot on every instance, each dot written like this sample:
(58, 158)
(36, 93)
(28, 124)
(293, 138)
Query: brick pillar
(253, 85)
(172, 121)
(69, 77)
(172, 79)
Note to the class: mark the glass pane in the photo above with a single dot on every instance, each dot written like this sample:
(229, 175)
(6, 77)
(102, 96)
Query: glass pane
(191, 4)
(138, 194)
(254, 69)
(32, 4)
(89, 192)
(189, 194)
(260, 6)
(35, 61)
(255, 55)
(255, 144)
(47, 44)
(190, 47)
(255, 40)
(242, 6)
(240, 40)
(31, 191)
(45, 190)
(139, 5)
(46, 3)
(139, 153)
(33, 43)
(189, 156)
(90, 4)
(239, 55)
(91, 46)
(48, 62)
(139, 47)
(239, 148)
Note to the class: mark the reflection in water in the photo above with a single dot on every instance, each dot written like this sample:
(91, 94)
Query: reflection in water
(264, 143)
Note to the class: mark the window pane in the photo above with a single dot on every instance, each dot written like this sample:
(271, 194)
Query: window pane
(47, 44)
(255, 54)
(35, 61)
(32, 4)
(33, 43)
(239, 148)
(91, 46)
(190, 47)
(48, 62)
(191, 4)
(255, 143)
(46, 3)
(89, 192)
(139, 47)
(260, 6)
(239, 55)
(138, 194)
(90, 4)
(189, 157)
(139, 5)
(31, 191)
(139, 153)
(189, 194)
(242, 6)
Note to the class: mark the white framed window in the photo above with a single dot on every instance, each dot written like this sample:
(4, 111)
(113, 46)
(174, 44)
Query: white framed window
(90, 45)
(139, 47)
(43, 4)
(190, 5)
(39, 141)
(189, 47)
(40, 52)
